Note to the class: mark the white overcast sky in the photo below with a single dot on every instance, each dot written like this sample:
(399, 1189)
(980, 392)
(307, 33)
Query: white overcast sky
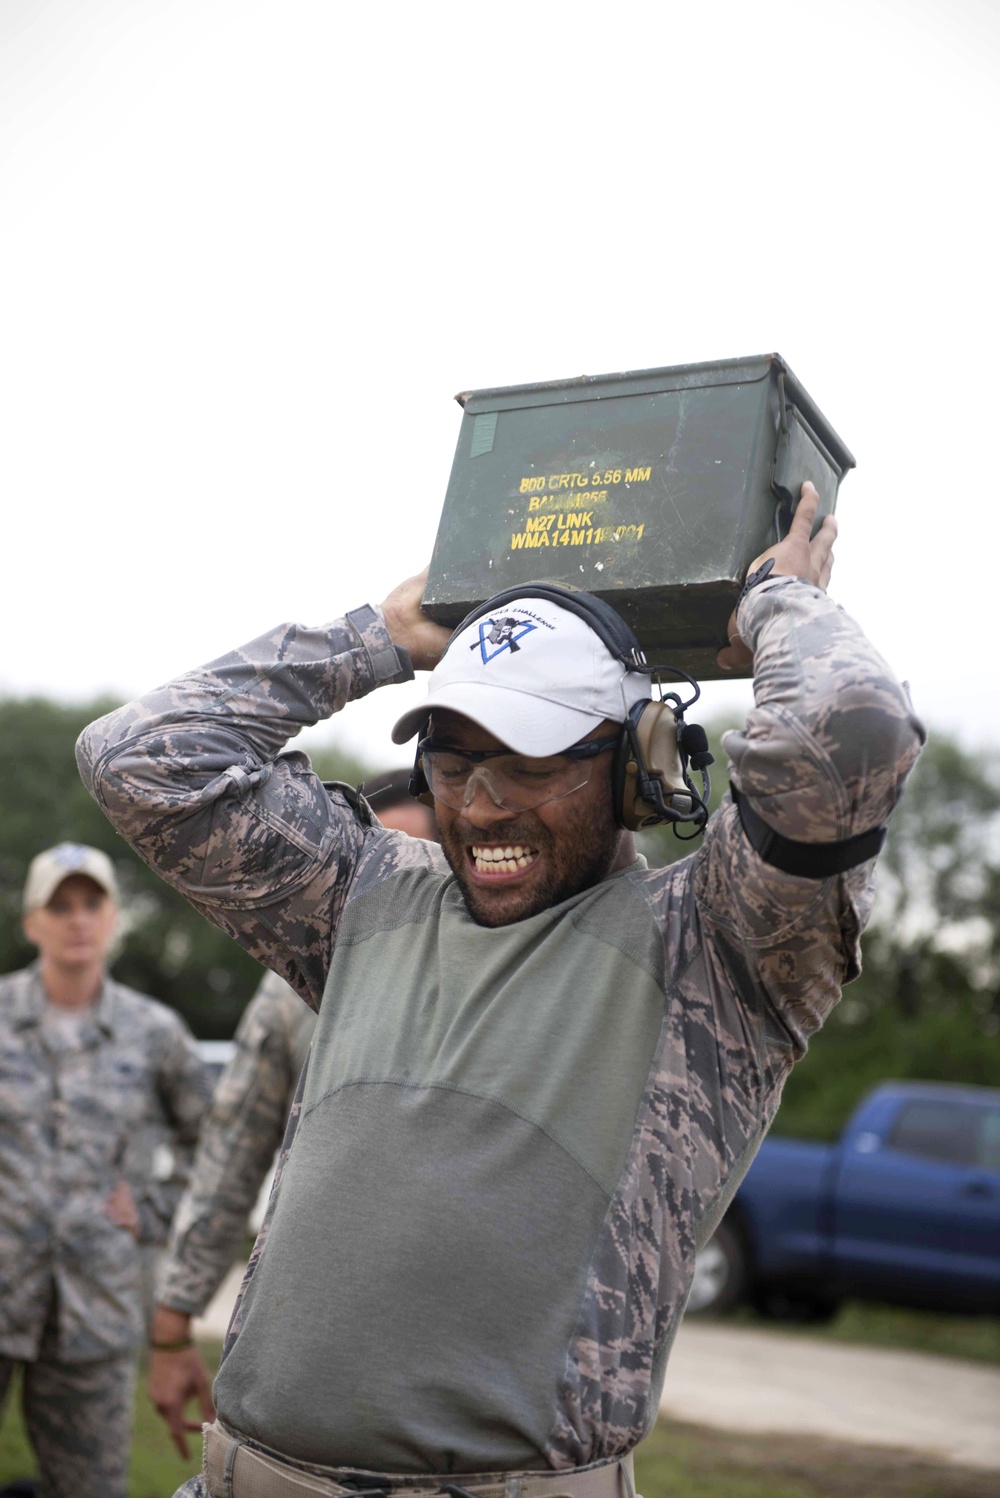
(250, 249)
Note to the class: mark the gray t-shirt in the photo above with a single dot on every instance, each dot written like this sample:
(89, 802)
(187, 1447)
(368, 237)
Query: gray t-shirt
(468, 1116)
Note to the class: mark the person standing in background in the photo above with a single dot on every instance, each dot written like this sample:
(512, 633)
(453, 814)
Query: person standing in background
(85, 1063)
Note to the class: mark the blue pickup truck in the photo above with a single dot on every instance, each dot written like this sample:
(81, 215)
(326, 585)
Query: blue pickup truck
(904, 1209)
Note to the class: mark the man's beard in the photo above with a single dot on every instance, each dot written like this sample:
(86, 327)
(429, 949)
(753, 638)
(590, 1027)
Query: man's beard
(579, 856)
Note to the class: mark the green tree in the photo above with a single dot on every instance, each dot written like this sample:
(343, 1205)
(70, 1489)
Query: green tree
(168, 950)
(939, 886)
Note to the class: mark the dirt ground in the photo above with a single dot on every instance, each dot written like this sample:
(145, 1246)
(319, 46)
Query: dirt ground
(742, 1379)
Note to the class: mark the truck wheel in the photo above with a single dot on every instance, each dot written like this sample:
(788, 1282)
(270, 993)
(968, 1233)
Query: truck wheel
(720, 1274)
(794, 1306)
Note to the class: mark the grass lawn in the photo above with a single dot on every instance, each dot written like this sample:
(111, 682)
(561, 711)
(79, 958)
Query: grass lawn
(691, 1461)
(677, 1461)
(157, 1470)
(975, 1337)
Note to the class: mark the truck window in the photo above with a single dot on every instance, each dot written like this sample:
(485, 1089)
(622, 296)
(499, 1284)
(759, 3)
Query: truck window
(942, 1131)
(989, 1140)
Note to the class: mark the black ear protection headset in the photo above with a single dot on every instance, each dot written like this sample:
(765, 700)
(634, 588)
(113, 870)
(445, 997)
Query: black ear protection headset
(656, 751)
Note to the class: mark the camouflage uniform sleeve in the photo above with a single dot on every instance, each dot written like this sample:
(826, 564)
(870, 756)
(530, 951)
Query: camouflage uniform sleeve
(184, 1085)
(193, 777)
(238, 1143)
(823, 757)
(753, 961)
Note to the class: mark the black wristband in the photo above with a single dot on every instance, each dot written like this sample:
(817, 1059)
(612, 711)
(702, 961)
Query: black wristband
(808, 860)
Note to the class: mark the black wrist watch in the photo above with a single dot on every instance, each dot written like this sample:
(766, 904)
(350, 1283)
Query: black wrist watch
(761, 575)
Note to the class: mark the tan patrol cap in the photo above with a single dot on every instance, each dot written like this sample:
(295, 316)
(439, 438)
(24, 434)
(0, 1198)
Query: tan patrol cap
(48, 870)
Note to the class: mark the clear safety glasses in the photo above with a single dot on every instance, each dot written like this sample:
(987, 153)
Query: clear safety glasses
(514, 782)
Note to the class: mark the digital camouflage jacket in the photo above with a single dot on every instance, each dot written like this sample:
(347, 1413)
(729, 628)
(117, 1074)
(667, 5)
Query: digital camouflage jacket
(69, 1119)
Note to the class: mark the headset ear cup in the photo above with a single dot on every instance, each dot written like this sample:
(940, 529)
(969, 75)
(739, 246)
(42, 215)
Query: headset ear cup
(651, 753)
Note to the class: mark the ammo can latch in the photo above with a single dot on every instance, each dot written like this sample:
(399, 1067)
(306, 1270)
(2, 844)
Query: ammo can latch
(800, 455)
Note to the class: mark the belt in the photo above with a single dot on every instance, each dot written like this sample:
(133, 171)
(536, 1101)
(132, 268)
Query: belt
(234, 1468)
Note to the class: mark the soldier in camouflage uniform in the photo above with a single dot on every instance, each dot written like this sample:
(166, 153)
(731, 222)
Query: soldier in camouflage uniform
(85, 1065)
(238, 1143)
(540, 1068)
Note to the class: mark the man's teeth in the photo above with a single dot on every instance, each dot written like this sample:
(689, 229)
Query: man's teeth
(503, 860)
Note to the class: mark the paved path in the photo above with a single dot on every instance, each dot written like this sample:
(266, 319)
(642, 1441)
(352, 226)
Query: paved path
(741, 1379)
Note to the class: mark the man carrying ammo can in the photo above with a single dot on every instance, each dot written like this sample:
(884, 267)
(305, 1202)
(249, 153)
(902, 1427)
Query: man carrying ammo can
(540, 1068)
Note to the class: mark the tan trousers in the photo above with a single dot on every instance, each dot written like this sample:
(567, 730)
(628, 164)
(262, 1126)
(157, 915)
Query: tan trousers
(233, 1468)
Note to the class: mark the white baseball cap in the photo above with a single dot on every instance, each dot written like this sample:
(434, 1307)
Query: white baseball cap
(48, 870)
(531, 673)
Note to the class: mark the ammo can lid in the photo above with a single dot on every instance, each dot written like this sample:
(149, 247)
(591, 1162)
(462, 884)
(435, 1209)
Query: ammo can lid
(652, 381)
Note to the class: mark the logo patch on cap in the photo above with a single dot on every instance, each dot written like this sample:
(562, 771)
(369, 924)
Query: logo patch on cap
(71, 855)
(503, 633)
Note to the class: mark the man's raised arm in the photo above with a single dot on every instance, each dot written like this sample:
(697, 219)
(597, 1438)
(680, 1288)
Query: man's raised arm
(822, 762)
(191, 776)
(833, 736)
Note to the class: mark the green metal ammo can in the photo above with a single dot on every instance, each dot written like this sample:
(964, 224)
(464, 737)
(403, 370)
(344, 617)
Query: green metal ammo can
(654, 490)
